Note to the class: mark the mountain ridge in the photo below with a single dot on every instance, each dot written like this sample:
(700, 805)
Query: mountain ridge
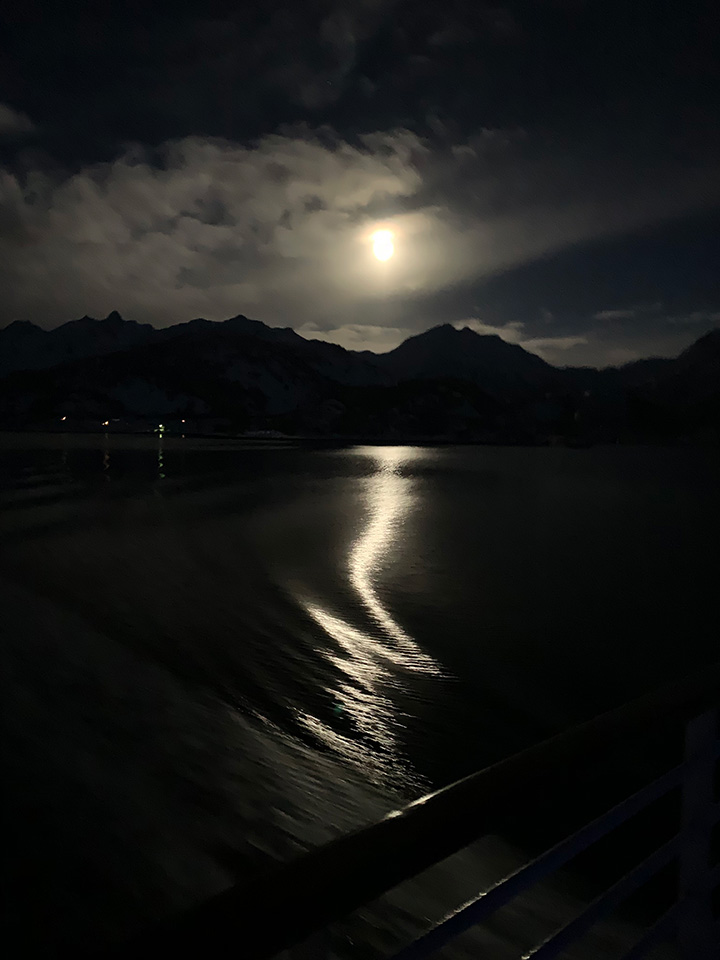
(443, 382)
(443, 331)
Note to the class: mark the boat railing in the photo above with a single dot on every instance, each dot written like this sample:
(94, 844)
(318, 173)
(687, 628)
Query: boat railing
(282, 908)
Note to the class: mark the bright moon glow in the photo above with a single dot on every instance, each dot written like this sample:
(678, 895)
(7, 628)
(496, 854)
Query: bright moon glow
(383, 246)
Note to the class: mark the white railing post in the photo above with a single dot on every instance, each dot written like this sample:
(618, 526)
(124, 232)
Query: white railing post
(696, 931)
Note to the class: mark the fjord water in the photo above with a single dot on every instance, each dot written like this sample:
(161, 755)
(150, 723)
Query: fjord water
(215, 654)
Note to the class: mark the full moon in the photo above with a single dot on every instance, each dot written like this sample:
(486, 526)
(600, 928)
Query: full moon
(383, 246)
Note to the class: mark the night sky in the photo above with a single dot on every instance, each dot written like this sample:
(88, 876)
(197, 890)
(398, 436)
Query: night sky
(549, 169)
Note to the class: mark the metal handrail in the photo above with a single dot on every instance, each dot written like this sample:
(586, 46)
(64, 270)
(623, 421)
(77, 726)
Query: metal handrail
(660, 930)
(605, 903)
(284, 906)
(529, 874)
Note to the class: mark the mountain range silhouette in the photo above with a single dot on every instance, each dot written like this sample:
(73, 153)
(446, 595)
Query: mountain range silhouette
(241, 376)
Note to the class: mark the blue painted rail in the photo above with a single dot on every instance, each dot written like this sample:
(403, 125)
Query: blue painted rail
(690, 918)
(284, 907)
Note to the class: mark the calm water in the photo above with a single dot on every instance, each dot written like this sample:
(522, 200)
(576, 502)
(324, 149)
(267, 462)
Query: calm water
(214, 655)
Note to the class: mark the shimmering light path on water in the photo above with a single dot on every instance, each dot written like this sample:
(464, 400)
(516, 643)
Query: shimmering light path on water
(368, 654)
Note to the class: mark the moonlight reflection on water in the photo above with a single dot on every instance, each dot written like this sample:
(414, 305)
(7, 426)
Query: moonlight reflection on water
(367, 656)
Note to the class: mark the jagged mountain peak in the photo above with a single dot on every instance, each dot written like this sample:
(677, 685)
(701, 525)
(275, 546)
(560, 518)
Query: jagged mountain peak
(486, 360)
(18, 325)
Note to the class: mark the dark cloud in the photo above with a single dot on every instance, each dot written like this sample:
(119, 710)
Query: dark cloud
(13, 123)
(279, 229)
(615, 314)
(190, 160)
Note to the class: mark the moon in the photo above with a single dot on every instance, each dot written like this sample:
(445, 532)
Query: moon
(383, 246)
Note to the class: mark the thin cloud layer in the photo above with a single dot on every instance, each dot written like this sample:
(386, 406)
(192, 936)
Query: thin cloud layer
(615, 314)
(13, 122)
(280, 230)
(552, 349)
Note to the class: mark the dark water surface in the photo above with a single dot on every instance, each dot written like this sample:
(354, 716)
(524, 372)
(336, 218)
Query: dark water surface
(216, 654)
